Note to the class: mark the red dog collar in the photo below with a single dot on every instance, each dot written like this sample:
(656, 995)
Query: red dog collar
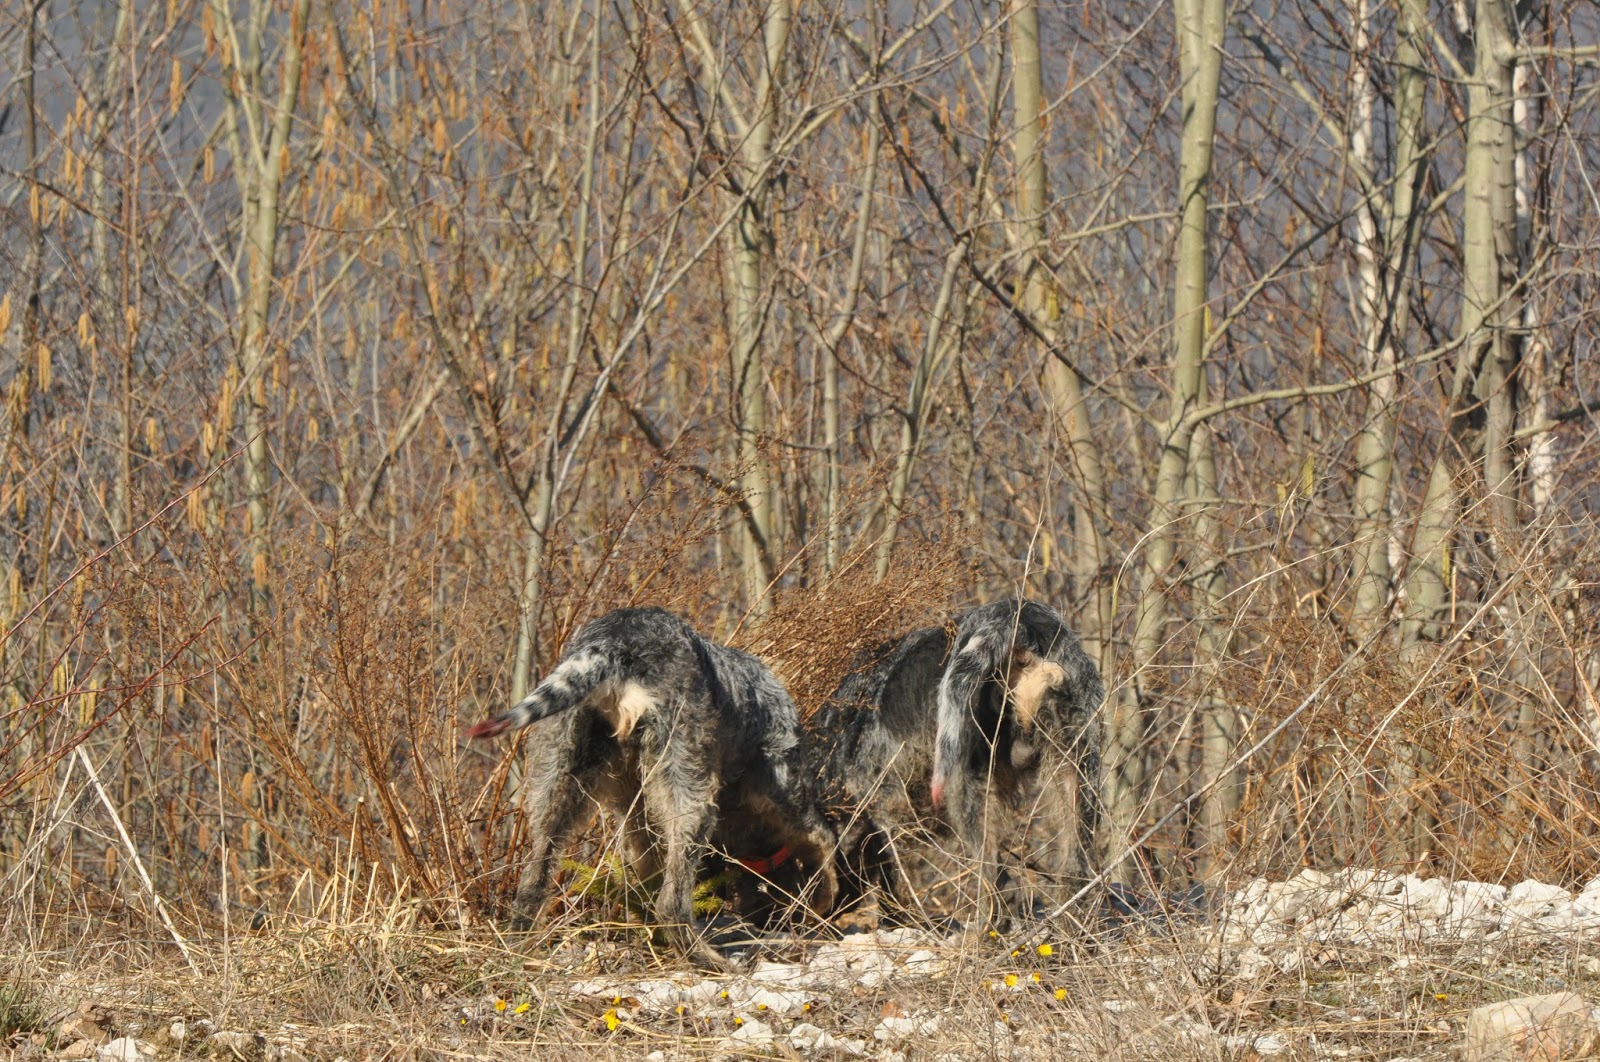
(768, 865)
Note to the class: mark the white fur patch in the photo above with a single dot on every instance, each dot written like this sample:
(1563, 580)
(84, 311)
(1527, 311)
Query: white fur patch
(628, 706)
(1032, 684)
(975, 646)
(578, 666)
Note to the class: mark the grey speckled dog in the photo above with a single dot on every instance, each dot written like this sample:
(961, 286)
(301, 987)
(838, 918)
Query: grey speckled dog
(687, 742)
(951, 731)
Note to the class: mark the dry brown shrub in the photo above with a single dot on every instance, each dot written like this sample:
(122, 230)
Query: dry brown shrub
(814, 633)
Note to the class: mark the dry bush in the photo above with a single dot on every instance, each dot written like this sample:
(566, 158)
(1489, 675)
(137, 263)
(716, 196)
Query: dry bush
(814, 633)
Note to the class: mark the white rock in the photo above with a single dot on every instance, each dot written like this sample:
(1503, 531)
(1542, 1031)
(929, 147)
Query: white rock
(787, 974)
(894, 1029)
(657, 995)
(1363, 881)
(593, 988)
(1531, 898)
(700, 995)
(1253, 892)
(924, 962)
(777, 1001)
(873, 969)
(1262, 1044)
(126, 1049)
(1284, 902)
(1548, 1027)
(830, 958)
(904, 937)
(752, 1033)
(807, 1037)
(1424, 899)
(1487, 892)
(1252, 963)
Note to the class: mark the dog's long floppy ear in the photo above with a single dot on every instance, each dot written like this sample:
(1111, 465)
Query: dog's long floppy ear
(1029, 681)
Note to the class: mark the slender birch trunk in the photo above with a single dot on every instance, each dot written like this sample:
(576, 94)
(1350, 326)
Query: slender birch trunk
(1385, 289)
(1200, 25)
(260, 151)
(1219, 722)
(751, 244)
(542, 511)
(836, 334)
(1486, 362)
(937, 346)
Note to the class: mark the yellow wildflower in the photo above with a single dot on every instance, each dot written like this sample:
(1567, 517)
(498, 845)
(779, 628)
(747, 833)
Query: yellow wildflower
(500, 1005)
(1046, 950)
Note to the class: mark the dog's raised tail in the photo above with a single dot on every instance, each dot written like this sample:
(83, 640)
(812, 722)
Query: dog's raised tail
(972, 662)
(568, 686)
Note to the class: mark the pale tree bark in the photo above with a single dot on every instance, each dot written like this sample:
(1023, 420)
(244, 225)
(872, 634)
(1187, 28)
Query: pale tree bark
(1041, 301)
(940, 342)
(542, 510)
(1492, 263)
(112, 317)
(1543, 455)
(1218, 782)
(836, 333)
(752, 239)
(1384, 263)
(1200, 25)
(1483, 379)
(258, 140)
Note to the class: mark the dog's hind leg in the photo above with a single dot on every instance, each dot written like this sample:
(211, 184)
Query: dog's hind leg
(558, 799)
(679, 803)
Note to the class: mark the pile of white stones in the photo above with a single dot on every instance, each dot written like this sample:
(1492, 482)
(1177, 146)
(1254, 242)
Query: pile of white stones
(1376, 908)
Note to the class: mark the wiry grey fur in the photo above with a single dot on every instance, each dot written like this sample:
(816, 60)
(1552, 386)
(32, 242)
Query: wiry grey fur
(685, 741)
(942, 728)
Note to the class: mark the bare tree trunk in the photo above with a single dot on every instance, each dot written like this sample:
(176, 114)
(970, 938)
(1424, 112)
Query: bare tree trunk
(1492, 264)
(1483, 376)
(1385, 294)
(542, 511)
(841, 326)
(1219, 723)
(751, 244)
(111, 315)
(1063, 387)
(1543, 458)
(936, 349)
(1200, 25)
(260, 153)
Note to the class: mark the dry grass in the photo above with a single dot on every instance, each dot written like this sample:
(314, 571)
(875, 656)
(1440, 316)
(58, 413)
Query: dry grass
(376, 980)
